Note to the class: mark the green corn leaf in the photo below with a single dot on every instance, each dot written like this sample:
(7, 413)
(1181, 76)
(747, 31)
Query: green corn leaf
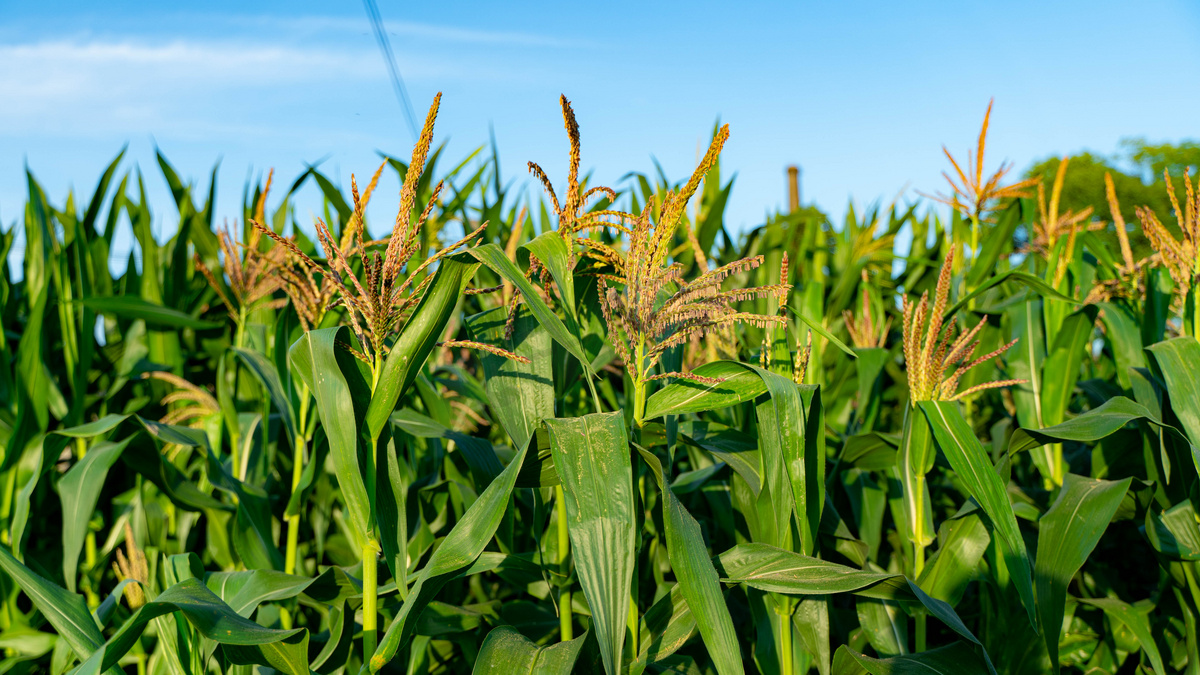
(1068, 534)
(1136, 621)
(505, 651)
(791, 438)
(1179, 361)
(740, 383)
(664, 629)
(1061, 369)
(871, 451)
(913, 462)
(417, 339)
(391, 506)
(775, 570)
(732, 447)
(79, 490)
(552, 251)
(244, 591)
(1125, 337)
(819, 329)
(49, 448)
(958, 658)
(970, 461)
(132, 307)
(591, 455)
(697, 577)
(521, 394)
(63, 609)
(1173, 533)
(1026, 361)
(1016, 276)
(266, 373)
(1089, 427)
(870, 362)
(962, 542)
(459, 549)
(323, 366)
(242, 641)
(492, 256)
(885, 625)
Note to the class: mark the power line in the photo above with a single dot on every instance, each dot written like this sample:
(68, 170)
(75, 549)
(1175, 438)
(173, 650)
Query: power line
(389, 59)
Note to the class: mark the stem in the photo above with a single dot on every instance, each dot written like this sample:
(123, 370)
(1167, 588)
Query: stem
(639, 385)
(918, 567)
(298, 448)
(631, 622)
(566, 630)
(370, 605)
(786, 666)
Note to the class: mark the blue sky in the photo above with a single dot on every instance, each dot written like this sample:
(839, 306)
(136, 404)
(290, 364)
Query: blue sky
(862, 95)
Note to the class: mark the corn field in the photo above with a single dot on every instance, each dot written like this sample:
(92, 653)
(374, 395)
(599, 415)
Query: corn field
(593, 431)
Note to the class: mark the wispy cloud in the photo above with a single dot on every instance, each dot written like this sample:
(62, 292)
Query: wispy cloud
(323, 25)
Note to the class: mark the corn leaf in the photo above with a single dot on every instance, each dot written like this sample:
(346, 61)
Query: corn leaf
(1068, 534)
(971, 463)
(591, 455)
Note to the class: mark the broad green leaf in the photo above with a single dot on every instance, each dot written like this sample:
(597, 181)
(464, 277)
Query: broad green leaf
(242, 641)
(885, 625)
(1179, 361)
(1136, 621)
(698, 580)
(1068, 534)
(1174, 533)
(1089, 427)
(521, 395)
(315, 357)
(870, 364)
(1062, 366)
(791, 440)
(974, 468)
(1026, 360)
(591, 455)
(505, 651)
(79, 489)
(871, 451)
(64, 610)
(775, 570)
(266, 373)
(739, 384)
(552, 251)
(479, 453)
(962, 542)
(1125, 338)
(664, 629)
(459, 549)
(1014, 275)
(492, 256)
(732, 447)
(391, 506)
(133, 307)
(417, 339)
(958, 658)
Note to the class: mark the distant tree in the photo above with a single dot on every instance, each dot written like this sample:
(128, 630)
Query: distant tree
(1137, 180)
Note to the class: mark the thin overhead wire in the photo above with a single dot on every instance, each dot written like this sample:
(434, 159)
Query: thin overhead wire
(389, 59)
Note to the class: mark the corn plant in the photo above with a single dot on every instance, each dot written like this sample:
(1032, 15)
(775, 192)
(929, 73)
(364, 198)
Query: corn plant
(595, 430)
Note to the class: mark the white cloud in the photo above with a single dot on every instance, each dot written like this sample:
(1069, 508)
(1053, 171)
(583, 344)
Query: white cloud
(125, 85)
